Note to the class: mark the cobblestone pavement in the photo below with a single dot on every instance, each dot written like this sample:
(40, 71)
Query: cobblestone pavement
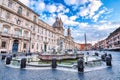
(110, 73)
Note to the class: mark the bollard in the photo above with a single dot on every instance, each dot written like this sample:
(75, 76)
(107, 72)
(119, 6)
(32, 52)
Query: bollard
(14, 55)
(110, 56)
(3, 57)
(26, 54)
(103, 57)
(96, 54)
(30, 54)
(23, 63)
(54, 63)
(80, 65)
(108, 61)
(8, 60)
(105, 54)
(87, 53)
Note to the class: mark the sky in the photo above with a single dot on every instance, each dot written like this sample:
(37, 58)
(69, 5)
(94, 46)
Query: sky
(96, 18)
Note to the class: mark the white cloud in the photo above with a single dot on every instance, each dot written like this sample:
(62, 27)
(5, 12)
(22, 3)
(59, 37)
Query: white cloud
(41, 5)
(66, 10)
(68, 21)
(95, 18)
(60, 8)
(94, 6)
(109, 25)
(32, 2)
(51, 8)
(84, 11)
(63, 17)
(89, 11)
(71, 23)
(75, 2)
(70, 2)
(83, 25)
(73, 17)
(82, 1)
(94, 32)
(50, 20)
(26, 2)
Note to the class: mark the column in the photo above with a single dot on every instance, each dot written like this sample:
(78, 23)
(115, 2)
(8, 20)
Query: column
(29, 45)
(0, 42)
(1, 26)
(19, 46)
(10, 45)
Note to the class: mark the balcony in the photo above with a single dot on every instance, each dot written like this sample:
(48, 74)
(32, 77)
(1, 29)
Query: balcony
(5, 34)
(46, 42)
(17, 36)
(26, 38)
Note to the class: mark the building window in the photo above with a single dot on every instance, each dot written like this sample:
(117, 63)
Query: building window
(38, 37)
(41, 38)
(45, 32)
(38, 30)
(8, 15)
(25, 45)
(10, 3)
(19, 10)
(3, 45)
(33, 28)
(26, 24)
(17, 32)
(25, 33)
(5, 30)
(34, 19)
(37, 46)
(18, 21)
(32, 46)
(42, 31)
(27, 14)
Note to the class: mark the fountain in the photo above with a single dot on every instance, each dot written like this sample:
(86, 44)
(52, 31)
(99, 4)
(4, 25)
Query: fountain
(78, 62)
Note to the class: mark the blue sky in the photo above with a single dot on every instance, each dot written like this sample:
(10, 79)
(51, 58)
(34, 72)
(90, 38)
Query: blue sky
(96, 18)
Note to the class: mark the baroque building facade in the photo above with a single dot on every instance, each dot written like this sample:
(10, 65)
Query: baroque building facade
(112, 42)
(21, 30)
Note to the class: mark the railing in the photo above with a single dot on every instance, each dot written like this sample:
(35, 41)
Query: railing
(5, 34)
(17, 36)
(27, 38)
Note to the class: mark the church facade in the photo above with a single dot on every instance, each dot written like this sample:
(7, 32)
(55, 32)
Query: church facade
(21, 30)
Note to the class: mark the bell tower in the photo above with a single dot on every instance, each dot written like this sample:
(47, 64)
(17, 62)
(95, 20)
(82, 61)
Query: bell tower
(69, 32)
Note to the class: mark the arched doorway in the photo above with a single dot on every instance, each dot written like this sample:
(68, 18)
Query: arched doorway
(15, 46)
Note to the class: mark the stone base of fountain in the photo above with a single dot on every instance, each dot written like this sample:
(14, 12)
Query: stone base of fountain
(47, 57)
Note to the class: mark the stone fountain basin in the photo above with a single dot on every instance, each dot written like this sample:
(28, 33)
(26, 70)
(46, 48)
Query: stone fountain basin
(59, 56)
